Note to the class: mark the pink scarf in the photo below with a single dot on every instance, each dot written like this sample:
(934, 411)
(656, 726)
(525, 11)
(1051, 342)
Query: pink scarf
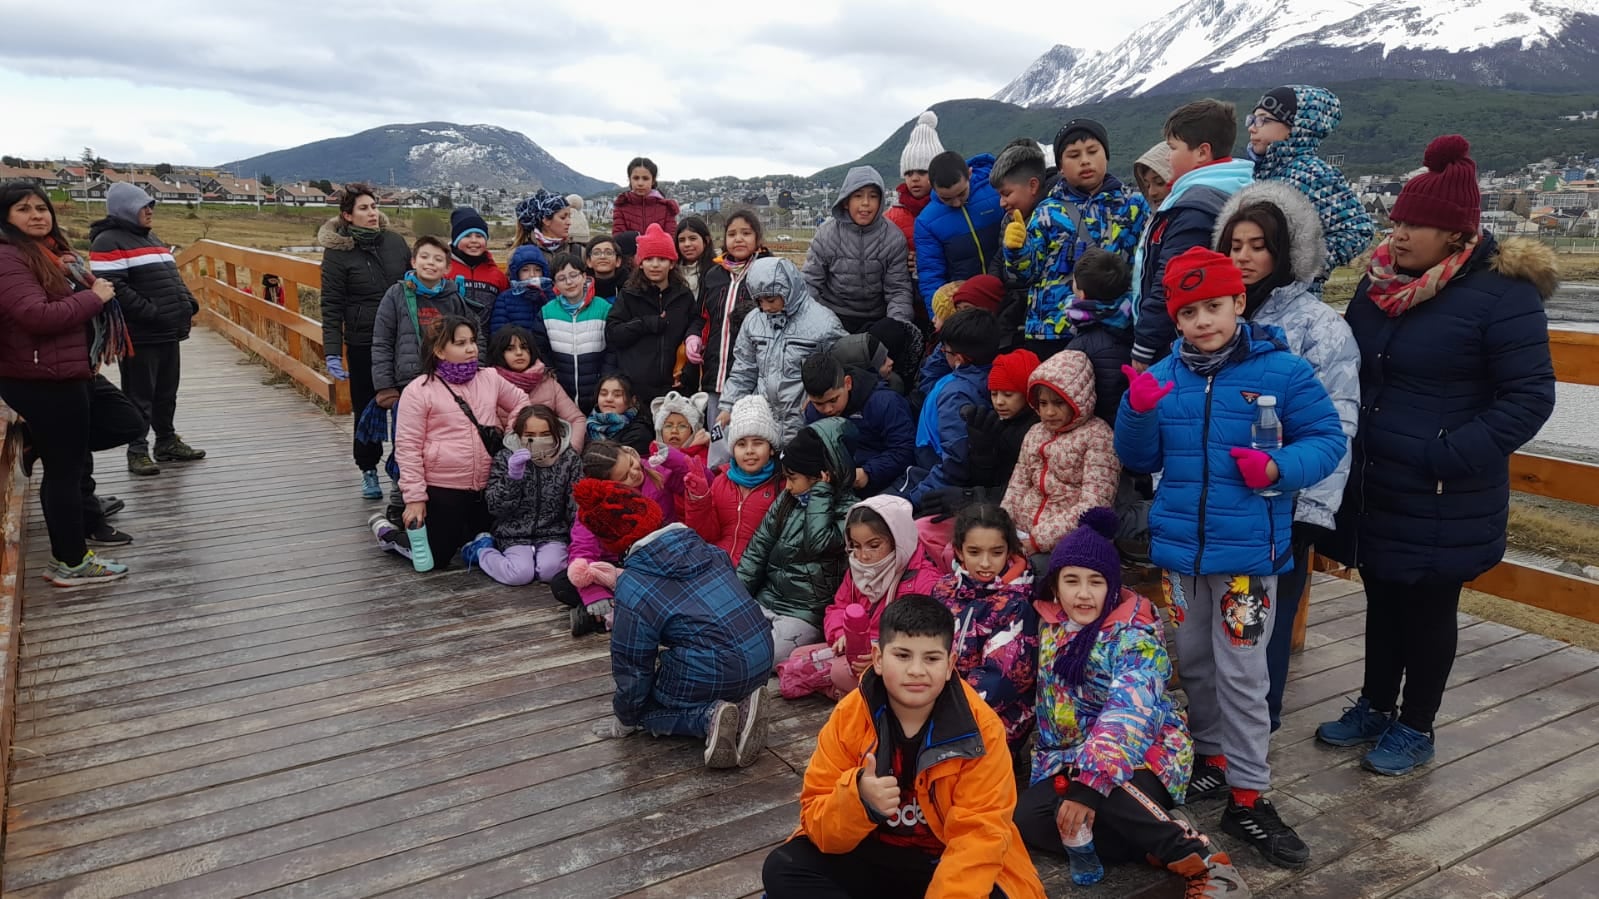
(524, 381)
(1397, 293)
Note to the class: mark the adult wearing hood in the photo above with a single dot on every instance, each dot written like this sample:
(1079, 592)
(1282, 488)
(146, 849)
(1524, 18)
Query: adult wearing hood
(857, 261)
(159, 310)
(773, 345)
(361, 260)
(1455, 375)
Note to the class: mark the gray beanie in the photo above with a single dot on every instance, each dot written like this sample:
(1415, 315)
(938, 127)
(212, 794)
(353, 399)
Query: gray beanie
(124, 200)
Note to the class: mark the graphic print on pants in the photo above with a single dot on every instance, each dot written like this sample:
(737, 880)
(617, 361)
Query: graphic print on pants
(1243, 610)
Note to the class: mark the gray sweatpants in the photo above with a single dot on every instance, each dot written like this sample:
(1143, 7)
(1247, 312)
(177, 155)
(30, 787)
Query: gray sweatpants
(789, 634)
(1221, 656)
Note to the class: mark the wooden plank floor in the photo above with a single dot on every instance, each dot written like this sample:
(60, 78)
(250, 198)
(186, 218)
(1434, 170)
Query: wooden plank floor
(268, 705)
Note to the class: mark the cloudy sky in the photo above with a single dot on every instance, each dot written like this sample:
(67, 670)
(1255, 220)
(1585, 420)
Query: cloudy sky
(790, 87)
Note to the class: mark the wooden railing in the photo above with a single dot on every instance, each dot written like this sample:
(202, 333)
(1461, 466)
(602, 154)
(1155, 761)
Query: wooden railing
(291, 343)
(13, 553)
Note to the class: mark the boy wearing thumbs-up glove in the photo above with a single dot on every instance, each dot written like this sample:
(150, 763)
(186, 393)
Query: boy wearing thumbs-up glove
(887, 808)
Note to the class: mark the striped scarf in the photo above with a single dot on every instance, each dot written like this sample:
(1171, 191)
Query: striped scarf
(1396, 293)
(112, 339)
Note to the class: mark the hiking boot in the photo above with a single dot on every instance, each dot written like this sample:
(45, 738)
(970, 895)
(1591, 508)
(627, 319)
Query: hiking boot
(142, 465)
(1264, 829)
(175, 450)
(370, 488)
(721, 739)
(106, 535)
(1359, 724)
(1207, 781)
(1211, 878)
(110, 505)
(584, 624)
(753, 715)
(470, 552)
(1400, 749)
(91, 570)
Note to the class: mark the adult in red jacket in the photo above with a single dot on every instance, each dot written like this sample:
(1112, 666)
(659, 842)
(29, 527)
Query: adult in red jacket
(643, 204)
(49, 306)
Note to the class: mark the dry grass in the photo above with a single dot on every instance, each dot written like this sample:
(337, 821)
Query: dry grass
(1533, 620)
(1564, 530)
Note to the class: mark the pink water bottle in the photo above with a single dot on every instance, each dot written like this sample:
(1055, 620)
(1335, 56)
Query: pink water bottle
(857, 640)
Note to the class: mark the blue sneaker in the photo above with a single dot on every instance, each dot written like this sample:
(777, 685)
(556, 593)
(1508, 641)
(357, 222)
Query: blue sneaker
(470, 552)
(1399, 751)
(1359, 724)
(370, 488)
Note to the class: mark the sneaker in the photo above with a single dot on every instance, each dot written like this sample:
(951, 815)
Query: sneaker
(1264, 829)
(110, 505)
(1207, 781)
(175, 450)
(142, 465)
(721, 741)
(382, 528)
(583, 623)
(106, 535)
(1211, 878)
(470, 552)
(1359, 724)
(753, 714)
(1399, 751)
(370, 488)
(91, 570)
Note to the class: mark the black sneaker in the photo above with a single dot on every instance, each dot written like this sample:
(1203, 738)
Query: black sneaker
(175, 450)
(110, 505)
(1207, 781)
(1264, 829)
(584, 624)
(142, 465)
(106, 535)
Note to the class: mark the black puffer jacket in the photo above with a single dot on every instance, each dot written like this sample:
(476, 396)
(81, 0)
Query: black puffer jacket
(354, 280)
(646, 328)
(1108, 349)
(150, 288)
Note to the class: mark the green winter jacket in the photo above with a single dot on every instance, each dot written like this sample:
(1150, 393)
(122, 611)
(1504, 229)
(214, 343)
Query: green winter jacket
(796, 560)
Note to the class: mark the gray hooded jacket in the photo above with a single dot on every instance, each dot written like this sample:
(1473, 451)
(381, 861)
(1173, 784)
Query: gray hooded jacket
(1315, 332)
(771, 346)
(860, 271)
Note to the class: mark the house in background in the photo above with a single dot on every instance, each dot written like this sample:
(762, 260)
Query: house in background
(41, 177)
(300, 195)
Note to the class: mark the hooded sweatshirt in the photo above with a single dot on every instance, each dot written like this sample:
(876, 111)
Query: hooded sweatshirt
(918, 573)
(860, 271)
(154, 297)
(1346, 226)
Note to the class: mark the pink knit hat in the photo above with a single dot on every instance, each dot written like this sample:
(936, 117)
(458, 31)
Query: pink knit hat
(656, 244)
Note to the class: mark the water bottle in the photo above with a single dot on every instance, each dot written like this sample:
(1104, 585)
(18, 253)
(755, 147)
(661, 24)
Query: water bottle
(1266, 434)
(421, 552)
(857, 639)
(1086, 869)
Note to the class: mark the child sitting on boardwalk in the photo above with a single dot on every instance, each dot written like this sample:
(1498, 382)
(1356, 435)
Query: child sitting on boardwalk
(615, 416)
(909, 792)
(1113, 754)
(691, 652)
(530, 497)
(728, 511)
(514, 354)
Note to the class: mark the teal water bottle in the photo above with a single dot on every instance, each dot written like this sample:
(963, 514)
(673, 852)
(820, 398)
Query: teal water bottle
(421, 552)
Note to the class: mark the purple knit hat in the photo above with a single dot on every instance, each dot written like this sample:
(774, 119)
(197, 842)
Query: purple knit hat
(1088, 547)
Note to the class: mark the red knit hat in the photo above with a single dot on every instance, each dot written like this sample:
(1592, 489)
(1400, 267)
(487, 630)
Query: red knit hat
(1011, 371)
(618, 516)
(985, 292)
(1446, 195)
(1199, 275)
(656, 244)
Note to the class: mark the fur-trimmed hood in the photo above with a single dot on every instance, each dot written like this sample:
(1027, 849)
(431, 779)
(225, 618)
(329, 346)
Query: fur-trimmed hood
(1307, 251)
(1528, 260)
(335, 233)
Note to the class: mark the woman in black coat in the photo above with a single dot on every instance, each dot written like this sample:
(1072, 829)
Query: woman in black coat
(361, 259)
(1455, 375)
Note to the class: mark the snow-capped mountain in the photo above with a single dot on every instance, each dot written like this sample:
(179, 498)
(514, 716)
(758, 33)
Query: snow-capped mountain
(1525, 44)
(426, 153)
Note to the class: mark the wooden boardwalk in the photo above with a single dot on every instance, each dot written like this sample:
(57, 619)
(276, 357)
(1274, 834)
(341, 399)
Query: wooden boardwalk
(269, 705)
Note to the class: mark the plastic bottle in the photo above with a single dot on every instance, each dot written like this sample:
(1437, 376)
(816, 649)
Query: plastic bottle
(1266, 434)
(421, 552)
(1086, 869)
(857, 636)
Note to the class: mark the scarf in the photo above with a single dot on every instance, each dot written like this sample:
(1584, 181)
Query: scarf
(912, 204)
(875, 580)
(1206, 364)
(525, 380)
(605, 425)
(469, 261)
(606, 288)
(1117, 313)
(1259, 292)
(542, 449)
(365, 238)
(422, 290)
(456, 373)
(540, 287)
(1396, 293)
(547, 244)
(112, 341)
(752, 479)
(736, 269)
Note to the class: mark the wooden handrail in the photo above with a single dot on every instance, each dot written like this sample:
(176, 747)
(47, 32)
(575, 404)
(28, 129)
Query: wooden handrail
(282, 336)
(13, 555)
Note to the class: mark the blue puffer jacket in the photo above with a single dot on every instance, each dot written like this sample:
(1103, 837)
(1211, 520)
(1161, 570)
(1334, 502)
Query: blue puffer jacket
(1205, 520)
(955, 244)
(686, 631)
(1346, 225)
(521, 305)
(1449, 389)
(968, 386)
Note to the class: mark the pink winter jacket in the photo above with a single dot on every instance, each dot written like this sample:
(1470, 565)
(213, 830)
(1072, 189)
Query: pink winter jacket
(545, 390)
(1062, 474)
(729, 515)
(919, 578)
(436, 444)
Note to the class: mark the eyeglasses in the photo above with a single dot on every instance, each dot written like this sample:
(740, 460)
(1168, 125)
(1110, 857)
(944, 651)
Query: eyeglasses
(1261, 120)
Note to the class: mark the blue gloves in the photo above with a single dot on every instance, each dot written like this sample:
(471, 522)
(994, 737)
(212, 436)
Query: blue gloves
(336, 368)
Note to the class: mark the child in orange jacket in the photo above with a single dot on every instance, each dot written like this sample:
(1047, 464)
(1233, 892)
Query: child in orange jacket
(881, 813)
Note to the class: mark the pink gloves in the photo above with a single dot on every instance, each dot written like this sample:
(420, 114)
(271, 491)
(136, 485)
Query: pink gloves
(694, 349)
(1255, 465)
(1144, 393)
(694, 484)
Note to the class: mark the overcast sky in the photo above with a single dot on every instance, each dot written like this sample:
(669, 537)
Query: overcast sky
(789, 87)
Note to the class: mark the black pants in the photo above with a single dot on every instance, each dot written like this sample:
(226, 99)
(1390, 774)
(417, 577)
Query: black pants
(1290, 590)
(567, 595)
(57, 413)
(454, 517)
(1129, 824)
(359, 364)
(872, 870)
(1410, 639)
(150, 379)
(113, 421)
